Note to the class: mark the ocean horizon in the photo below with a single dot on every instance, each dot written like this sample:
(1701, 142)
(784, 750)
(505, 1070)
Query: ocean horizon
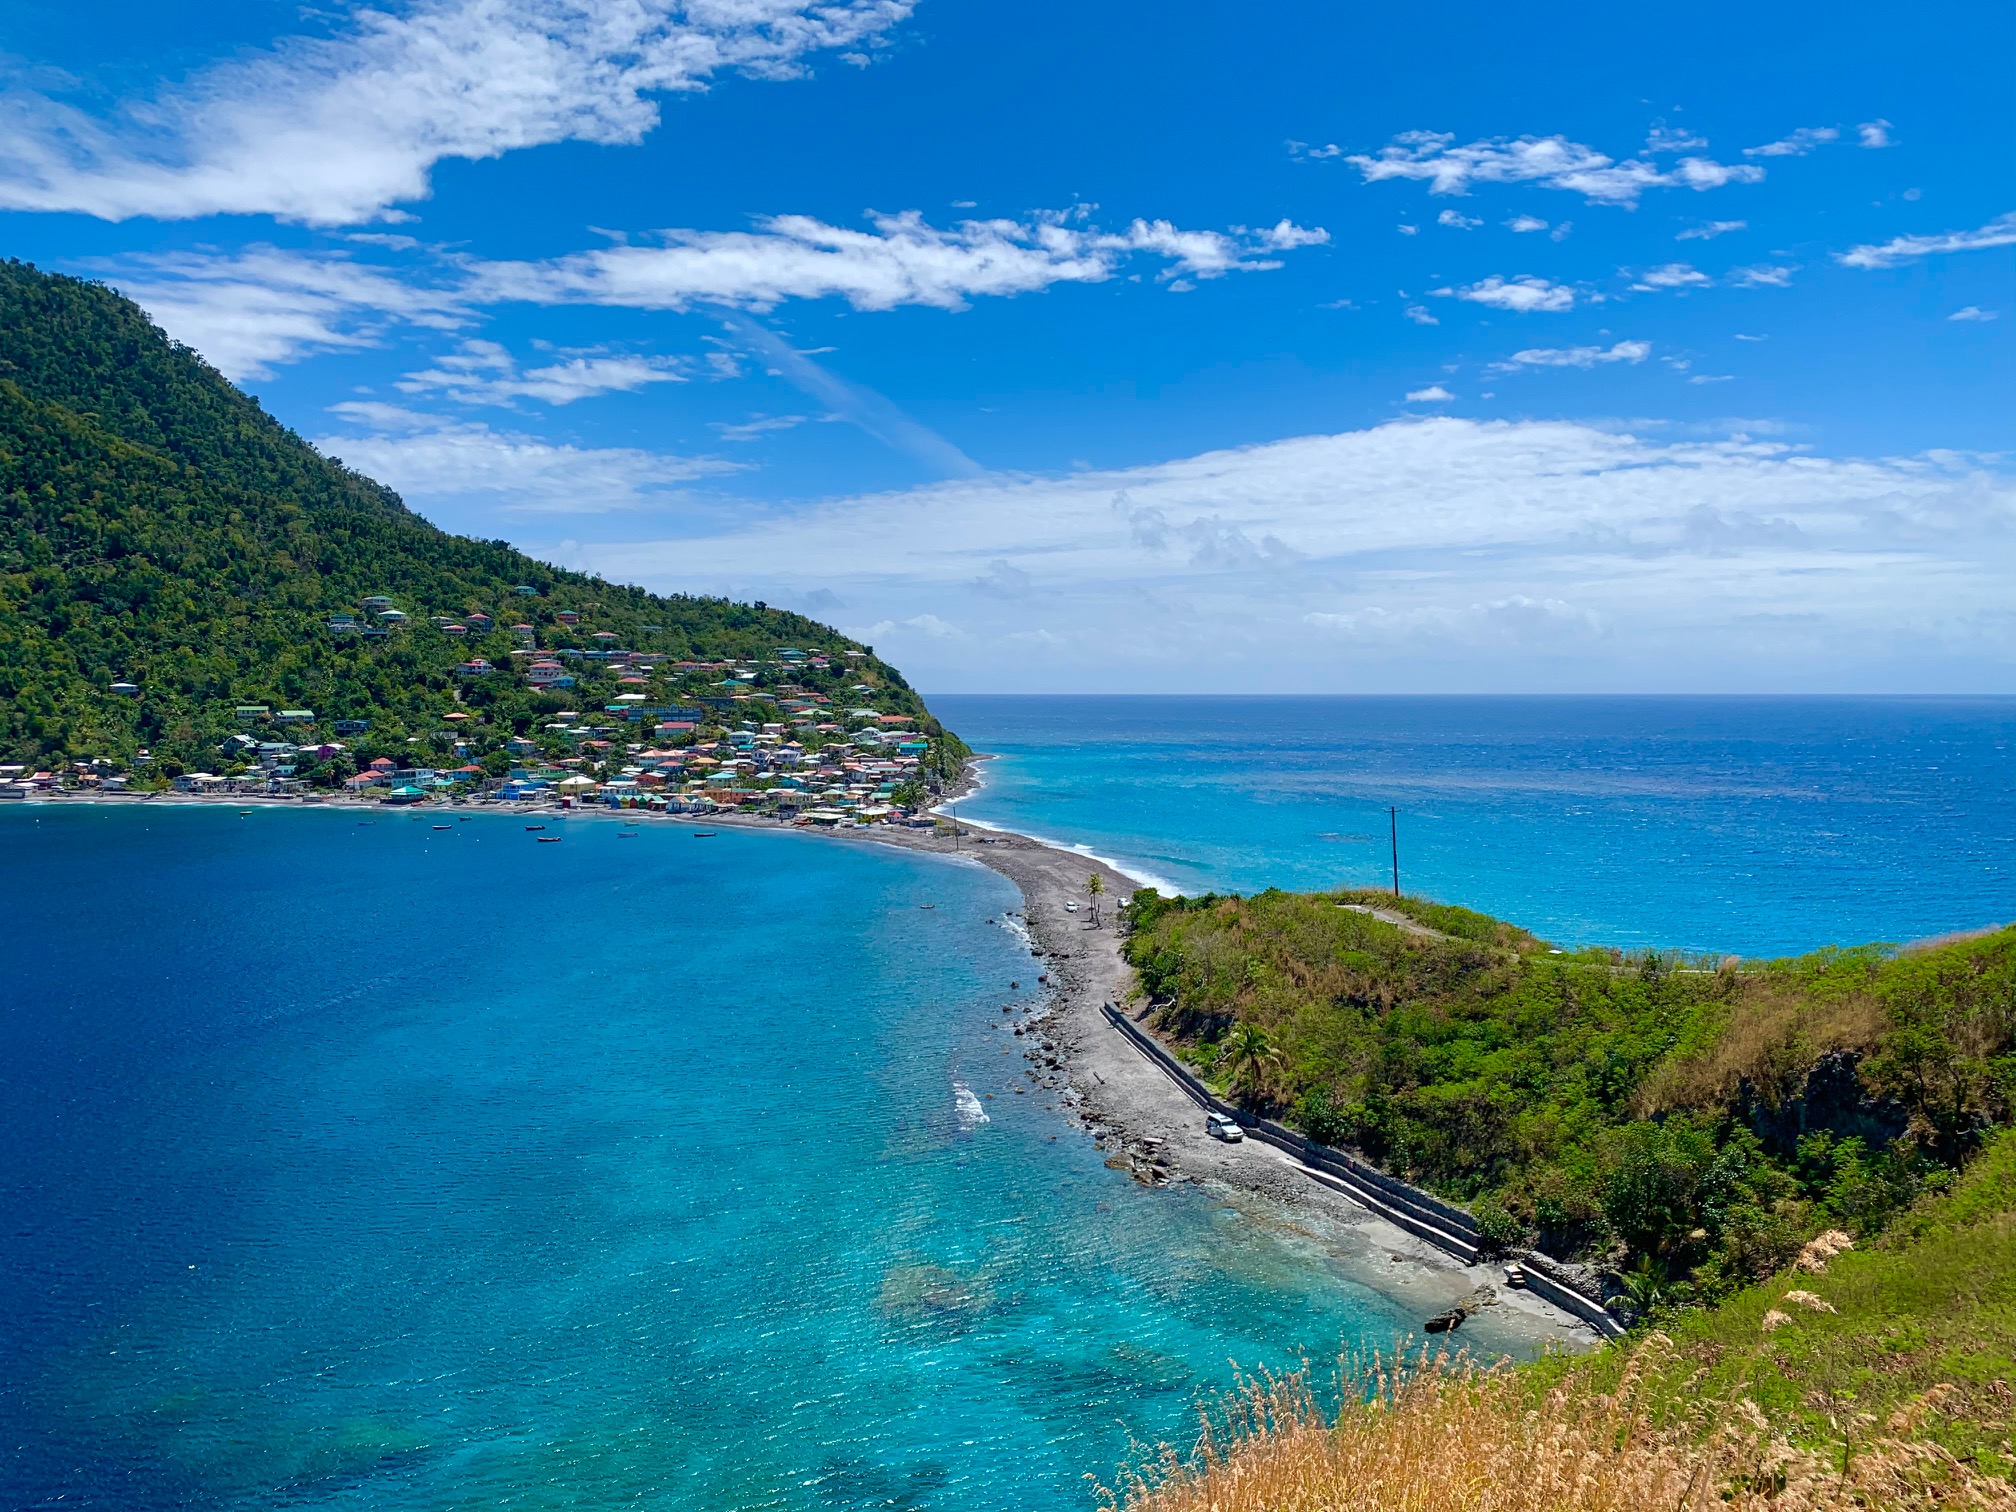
(1755, 825)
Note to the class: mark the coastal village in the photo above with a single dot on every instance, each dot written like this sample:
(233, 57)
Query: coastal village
(553, 711)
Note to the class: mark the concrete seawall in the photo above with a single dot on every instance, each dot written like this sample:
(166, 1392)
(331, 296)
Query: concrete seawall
(1407, 1207)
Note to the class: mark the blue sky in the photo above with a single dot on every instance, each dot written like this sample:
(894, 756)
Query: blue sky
(1291, 347)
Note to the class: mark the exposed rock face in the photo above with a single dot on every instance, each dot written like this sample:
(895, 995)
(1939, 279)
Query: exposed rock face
(1832, 1099)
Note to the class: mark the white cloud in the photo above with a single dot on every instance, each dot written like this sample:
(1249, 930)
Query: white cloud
(338, 130)
(1875, 134)
(1711, 230)
(1525, 223)
(1638, 558)
(1673, 139)
(1420, 316)
(1406, 230)
(1284, 236)
(1459, 220)
(1763, 276)
(1798, 144)
(1974, 312)
(454, 466)
(1435, 394)
(1574, 357)
(482, 372)
(1549, 162)
(902, 260)
(253, 310)
(1673, 276)
(1521, 295)
(2000, 232)
(756, 425)
(1518, 620)
(1713, 378)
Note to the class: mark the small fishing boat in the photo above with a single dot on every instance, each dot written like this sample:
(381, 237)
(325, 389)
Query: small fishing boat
(703, 834)
(244, 813)
(549, 839)
(927, 905)
(531, 827)
(444, 826)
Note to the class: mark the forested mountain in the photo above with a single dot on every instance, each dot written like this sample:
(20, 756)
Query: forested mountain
(162, 531)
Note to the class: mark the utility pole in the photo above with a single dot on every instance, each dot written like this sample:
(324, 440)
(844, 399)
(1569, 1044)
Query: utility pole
(1393, 819)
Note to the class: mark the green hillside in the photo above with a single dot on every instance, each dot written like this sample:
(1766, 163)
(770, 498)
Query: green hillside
(161, 530)
(1686, 1125)
(1878, 1377)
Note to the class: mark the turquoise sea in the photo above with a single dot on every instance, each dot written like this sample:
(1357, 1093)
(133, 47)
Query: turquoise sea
(383, 1167)
(370, 1165)
(1760, 826)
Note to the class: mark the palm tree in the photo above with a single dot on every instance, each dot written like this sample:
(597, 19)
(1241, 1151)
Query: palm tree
(1096, 886)
(1249, 1049)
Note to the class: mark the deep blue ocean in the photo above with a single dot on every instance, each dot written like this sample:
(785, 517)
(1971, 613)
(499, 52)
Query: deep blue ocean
(1760, 826)
(374, 1166)
(369, 1165)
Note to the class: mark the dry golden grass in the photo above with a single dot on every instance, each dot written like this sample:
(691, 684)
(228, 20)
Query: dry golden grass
(1772, 1036)
(1434, 1436)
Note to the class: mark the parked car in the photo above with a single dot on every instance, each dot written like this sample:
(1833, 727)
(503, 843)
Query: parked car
(1223, 1126)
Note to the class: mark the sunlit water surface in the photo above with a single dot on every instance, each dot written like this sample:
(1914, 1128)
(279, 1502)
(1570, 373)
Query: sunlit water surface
(1756, 825)
(375, 1166)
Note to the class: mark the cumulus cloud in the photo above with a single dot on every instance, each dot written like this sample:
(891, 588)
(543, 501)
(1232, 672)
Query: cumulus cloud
(1673, 276)
(1875, 134)
(1420, 315)
(1974, 312)
(2000, 232)
(1549, 162)
(1522, 295)
(1798, 144)
(482, 372)
(1575, 357)
(1525, 223)
(464, 470)
(340, 129)
(1667, 557)
(1434, 394)
(1711, 230)
(1459, 220)
(899, 260)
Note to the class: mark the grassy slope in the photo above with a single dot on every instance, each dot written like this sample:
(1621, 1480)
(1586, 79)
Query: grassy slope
(1899, 1398)
(1707, 1120)
(157, 526)
(1932, 1305)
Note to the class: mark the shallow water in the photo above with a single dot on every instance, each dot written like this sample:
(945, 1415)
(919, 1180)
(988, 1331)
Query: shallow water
(364, 1165)
(1756, 825)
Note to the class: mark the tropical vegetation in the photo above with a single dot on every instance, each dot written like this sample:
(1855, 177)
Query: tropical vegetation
(169, 553)
(1685, 1124)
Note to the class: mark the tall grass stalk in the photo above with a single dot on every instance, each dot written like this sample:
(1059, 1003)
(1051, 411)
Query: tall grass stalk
(1430, 1432)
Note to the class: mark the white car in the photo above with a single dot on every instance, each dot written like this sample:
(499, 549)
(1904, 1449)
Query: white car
(1222, 1126)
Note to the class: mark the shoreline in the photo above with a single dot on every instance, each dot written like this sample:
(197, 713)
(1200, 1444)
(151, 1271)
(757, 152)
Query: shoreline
(1128, 1105)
